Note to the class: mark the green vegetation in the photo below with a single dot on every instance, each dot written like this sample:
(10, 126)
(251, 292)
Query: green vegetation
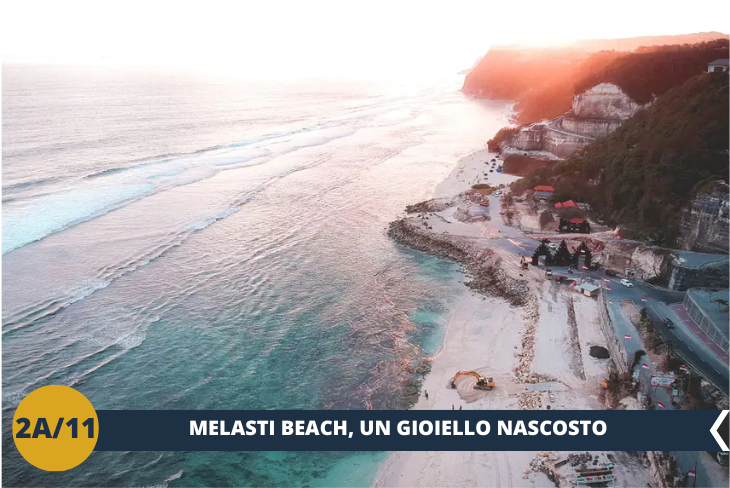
(645, 172)
(543, 82)
(650, 72)
(540, 81)
(495, 144)
(546, 217)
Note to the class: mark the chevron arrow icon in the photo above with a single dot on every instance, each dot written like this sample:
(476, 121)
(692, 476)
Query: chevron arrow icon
(716, 426)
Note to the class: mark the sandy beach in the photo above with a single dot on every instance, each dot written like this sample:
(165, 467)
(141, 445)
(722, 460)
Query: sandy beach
(538, 354)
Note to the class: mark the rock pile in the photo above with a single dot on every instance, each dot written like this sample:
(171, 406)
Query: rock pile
(560, 467)
(543, 463)
(530, 400)
(483, 267)
(433, 205)
(523, 368)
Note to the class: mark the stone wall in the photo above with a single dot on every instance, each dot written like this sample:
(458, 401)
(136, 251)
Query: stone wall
(713, 274)
(704, 223)
(563, 144)
(589, 127)
(615, 345)
(529, 138)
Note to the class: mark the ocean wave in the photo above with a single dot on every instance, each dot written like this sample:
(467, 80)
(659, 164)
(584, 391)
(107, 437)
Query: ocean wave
(32, 219)
(24, 185)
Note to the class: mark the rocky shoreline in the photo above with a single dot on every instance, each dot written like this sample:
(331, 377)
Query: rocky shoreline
(482, 266)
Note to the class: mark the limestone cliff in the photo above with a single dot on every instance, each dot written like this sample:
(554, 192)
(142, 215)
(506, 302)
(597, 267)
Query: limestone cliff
(595, 113)
(605, 101)
(704, 223)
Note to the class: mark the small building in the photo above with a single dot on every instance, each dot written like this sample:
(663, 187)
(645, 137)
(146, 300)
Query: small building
(545, 188)
(544, 192)
(717, 66)
(568, 204)
(588, 289)
(580, 226)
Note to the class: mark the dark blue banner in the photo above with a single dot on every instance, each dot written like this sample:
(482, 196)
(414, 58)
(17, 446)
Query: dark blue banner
(410, 430)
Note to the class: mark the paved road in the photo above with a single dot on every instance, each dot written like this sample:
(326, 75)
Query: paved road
(695, 353)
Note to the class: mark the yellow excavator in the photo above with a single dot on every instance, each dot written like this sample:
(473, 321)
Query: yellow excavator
(483, 382)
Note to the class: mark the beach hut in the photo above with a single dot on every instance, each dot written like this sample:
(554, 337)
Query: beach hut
(588, 289)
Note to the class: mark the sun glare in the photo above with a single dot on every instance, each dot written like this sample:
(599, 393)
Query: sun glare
(290, 39)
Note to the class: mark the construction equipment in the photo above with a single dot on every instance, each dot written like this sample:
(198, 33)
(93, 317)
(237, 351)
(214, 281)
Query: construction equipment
(483, 382)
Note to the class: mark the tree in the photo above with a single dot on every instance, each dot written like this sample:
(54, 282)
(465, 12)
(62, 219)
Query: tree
(546, 217)
(562, 255)
(571, 213)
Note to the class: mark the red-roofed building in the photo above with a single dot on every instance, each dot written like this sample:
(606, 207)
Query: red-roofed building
(568, 204)
(574, 225)
(544, 188)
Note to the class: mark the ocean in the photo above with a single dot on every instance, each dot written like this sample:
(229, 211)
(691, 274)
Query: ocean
(178, 242)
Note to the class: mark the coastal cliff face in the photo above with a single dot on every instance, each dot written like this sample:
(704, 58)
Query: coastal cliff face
(605, 101)
(596, 113)
(704, 223)
(589, 127)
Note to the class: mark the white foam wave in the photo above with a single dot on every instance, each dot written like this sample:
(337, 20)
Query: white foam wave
(33, 218)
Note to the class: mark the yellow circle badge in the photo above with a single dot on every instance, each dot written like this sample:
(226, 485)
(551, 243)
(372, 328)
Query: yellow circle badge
(55, 428)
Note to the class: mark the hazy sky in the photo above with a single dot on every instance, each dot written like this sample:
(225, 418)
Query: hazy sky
(353, 38)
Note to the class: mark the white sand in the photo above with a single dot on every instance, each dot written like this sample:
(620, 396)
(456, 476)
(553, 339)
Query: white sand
(476, 340)
(552, 340)
(484, 335)
(470, 170)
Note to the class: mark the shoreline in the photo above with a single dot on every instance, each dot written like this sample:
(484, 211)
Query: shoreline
(509, 324)
(491, 296)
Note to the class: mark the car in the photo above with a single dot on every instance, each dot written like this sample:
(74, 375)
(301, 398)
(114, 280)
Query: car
(668, 322)
(720, 456)
(626, 283)
(610, 272)
(552, 246)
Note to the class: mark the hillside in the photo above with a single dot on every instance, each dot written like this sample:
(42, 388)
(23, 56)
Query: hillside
(540, 81)
(633, 43)
(649, 72)
(644, 173)
(543, 81)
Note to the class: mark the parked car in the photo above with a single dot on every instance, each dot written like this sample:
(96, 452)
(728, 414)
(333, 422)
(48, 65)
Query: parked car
(552, 246)
(610, 272)
(668, 322)
(720, 456)
(626, 283)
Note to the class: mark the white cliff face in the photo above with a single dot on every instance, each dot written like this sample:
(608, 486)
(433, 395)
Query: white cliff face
(605, 101)
(596, 113)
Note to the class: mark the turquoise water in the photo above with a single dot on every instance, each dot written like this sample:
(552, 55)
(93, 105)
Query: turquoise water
(252, 272)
